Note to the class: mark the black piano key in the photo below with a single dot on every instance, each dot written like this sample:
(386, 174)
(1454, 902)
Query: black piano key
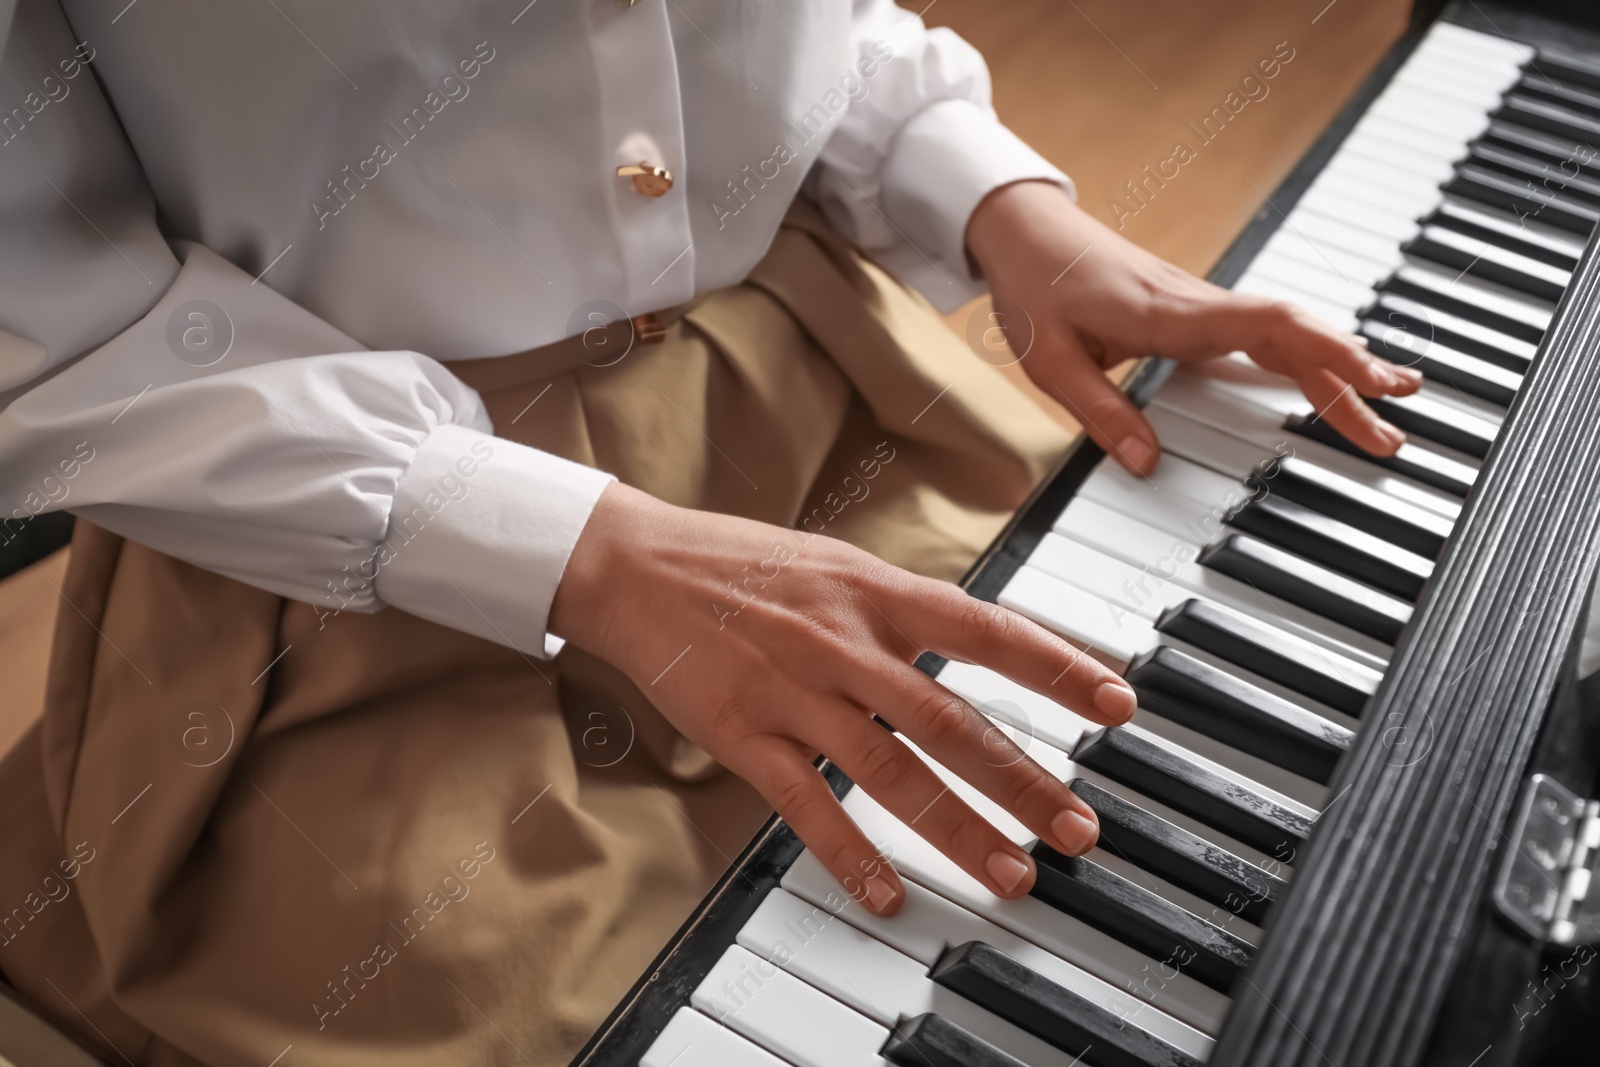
(1139, 918)
(1438, 422)
(1480, 259)
(1052, 1012)
(1572, 188)
(1309, 585)
(1424, 465)
(1443, 293)
(1506, 232)
(1541, 114)
(1520, 196)
(1473, 376)
(1394, 520)
(1336, 545)
(1185, 859)
(1192, 693)
(1440, 327)
(1285, 658)
(1200, 789)
(1573, 67)
(931, 1040)
(1563, 153)
(1542, 86)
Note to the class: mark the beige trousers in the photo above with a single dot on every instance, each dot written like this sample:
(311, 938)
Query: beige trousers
(240, 827)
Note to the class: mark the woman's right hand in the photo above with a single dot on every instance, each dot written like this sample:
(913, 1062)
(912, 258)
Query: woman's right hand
(766, 647)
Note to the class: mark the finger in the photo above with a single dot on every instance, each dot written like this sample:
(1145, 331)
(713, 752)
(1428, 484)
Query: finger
(1336, 403)
(963, 739)
(798, 793)
(1282, 337)
(943, 618)
(877, 761)
(1107, 415)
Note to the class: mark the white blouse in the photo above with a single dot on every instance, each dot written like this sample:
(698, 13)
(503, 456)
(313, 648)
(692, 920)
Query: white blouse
(239, 244)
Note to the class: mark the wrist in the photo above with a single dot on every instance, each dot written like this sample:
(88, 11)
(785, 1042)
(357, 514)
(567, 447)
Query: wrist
(1011, 216)
(584, 606)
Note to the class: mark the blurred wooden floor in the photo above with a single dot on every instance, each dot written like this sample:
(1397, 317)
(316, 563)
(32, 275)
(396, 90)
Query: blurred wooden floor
(1103, 87)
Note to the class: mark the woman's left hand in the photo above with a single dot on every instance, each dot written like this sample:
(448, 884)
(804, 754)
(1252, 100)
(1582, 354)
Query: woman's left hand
(1096, 299)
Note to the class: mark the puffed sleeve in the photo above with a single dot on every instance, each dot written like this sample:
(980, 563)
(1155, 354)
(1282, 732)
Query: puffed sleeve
(916, 149)
(161, 392)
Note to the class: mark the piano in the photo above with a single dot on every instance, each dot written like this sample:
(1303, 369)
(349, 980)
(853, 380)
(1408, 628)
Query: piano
(1351, 822)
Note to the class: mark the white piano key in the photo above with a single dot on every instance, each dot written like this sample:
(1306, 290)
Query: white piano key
(1426, 90)
(1478, 91)
(1313, 277)
(1499, 299)
(1471, 47)
(1033, 920)
(1429, 60)
(1387, 146)
(928, 924)
(1407, 103)
(1278, 396)
(1472, 43)
(1146, 586)
(786, 1016)
(1138, 627)
(1176, 517)
(1235, 457)
(1384, 224)
(1461, 126)
(1352, 269)
(1311, 229)
(1030, 715)
(1368, 193)
(875, 979)
(1057, 759)
(1079, 617)
(1062, 767)
(1467, 59)
(1382, 181)
(1387, 135)
(1406, 140)
(1312, 284)
(1308, 283)
(1528, 229)
(693, 1040)
(1195, 490)
(1199, 441)
(1261, 285)
(1254, 410)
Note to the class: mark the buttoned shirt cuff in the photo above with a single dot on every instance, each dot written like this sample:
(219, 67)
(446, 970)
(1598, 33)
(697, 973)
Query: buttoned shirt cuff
(480, 534)
(946, 159)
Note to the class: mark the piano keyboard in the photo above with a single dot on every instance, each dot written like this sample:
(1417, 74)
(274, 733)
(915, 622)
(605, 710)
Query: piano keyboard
(1251, 591)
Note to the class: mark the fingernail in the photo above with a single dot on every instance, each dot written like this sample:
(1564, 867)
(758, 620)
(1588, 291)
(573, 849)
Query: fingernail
(1409, 375)
(1006, 870)
(1115, 701)
(1074, 832)
(1394, 436)
(1137, 453)
(880, 894)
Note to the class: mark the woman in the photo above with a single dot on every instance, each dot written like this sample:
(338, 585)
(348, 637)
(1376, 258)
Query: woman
(602, 320)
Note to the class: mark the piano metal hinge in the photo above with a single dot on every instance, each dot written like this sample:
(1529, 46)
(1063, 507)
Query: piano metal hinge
(1547, 884)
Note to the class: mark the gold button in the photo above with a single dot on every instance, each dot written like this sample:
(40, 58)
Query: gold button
(651, 181)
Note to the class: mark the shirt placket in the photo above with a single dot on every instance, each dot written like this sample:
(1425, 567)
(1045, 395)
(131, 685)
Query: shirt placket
(641, 116)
